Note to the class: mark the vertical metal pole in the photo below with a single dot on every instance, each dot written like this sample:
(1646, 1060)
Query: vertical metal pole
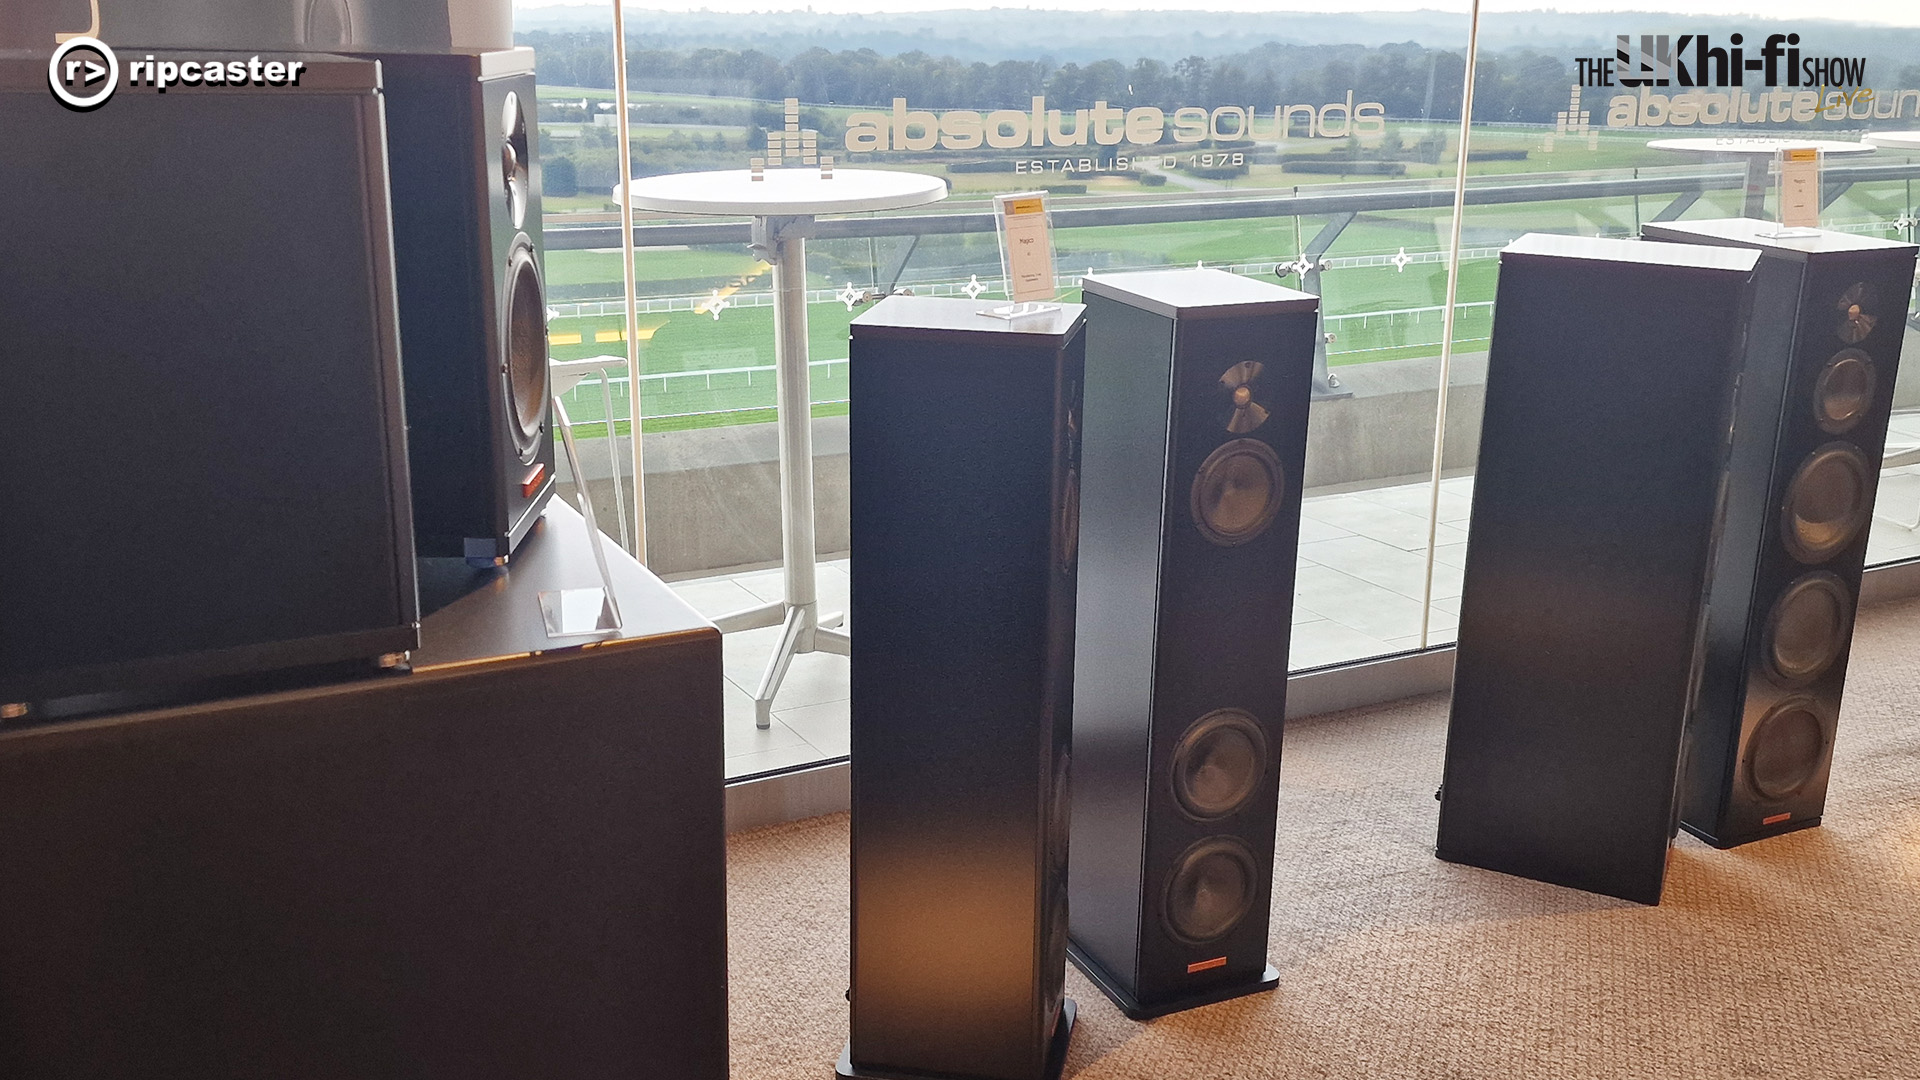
(796, 413)
(1756, 206)
(625, 139)
(1446, 316)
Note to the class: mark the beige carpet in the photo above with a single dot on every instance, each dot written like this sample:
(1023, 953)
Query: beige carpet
(1795, 957)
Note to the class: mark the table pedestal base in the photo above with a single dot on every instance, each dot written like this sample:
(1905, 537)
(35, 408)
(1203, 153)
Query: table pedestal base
(803, 632)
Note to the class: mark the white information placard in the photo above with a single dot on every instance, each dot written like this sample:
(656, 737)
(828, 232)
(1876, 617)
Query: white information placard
(1026, 245)
(1800, 187)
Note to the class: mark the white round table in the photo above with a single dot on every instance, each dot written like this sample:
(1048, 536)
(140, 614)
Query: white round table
(1759, 152)
(783, 204)
(1894, 140)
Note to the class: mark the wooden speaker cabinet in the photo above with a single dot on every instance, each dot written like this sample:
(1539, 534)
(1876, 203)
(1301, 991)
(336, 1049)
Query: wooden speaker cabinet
(964, 470)
(508, 863)
(1198, 385)
(1610, 390)
(1808, 434)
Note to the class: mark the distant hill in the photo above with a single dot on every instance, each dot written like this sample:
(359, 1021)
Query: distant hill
(995, 34)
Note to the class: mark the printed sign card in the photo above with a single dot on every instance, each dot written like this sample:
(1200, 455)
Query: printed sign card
(1026, 245)
(1800, 187)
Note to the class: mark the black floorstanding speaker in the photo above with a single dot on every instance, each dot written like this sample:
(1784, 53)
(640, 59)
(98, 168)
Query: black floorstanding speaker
(463, 146)
(206, 475)
(964, 474)
(510, 863)
(1603, 450)
(1809, 429)
(1198, 384)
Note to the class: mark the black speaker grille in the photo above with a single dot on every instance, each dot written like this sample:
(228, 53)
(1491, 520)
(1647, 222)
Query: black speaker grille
(1808, 628)
(1218, 764)
(1787, 748)
(1844, 391)
(526, 349)
(1211, 889)
(1827, 502)
(1237, 492)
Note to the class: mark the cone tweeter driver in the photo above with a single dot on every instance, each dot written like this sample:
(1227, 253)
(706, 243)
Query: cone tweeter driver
(1218, 764)
(1210, 890)
(1247, 413)
(1808, 628)
(1855, 321)
(1827, 502)
(1844, 391)
(1788, 747)
(526, 370)
(1237, 492)
(514, 158)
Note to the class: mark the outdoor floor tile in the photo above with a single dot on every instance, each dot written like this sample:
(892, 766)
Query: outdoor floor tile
(1323, 642)
(1401, 529)
(812, 678)
(786, 757)
(827, 728)
(714, 597)
(1371, 561)
(742, 737)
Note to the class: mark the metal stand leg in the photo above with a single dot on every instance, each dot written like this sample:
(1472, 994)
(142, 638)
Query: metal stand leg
(1757, 177)
(781, 242)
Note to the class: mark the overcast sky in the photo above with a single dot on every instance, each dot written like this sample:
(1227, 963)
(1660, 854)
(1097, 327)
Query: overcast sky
(1893, 12)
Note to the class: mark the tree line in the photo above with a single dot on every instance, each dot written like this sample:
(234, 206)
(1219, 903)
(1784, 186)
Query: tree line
(1409, 79)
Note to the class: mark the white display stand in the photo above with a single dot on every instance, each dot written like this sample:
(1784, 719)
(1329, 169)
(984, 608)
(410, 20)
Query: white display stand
(1759, 154)
(783, 204)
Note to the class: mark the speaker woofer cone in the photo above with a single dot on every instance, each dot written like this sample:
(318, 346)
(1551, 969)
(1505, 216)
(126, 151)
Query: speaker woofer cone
(1218, 764)
(1237, 492)
(1827, 502)
(1211, 889)
(1844, 391)
(1786, 749)
(526, 350)
(1808, 628)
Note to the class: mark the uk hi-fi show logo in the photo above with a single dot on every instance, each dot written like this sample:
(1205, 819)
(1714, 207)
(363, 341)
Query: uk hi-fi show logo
(1686, 79)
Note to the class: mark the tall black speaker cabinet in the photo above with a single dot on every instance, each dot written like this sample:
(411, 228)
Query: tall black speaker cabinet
(509, 863)
(964, 474)
(1198, 383)
(463, 144)
(206, 474)
(1610, 390)
(1808, 434)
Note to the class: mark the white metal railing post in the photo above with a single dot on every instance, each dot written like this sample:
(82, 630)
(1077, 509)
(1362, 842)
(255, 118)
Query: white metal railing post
(1446, 317)
(625, 139)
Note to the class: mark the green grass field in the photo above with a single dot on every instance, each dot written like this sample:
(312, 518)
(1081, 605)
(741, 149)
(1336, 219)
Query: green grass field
(691, 342)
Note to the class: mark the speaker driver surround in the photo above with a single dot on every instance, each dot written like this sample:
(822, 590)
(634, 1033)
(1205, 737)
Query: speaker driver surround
(1212, 887)
(1786, 749)
(1808, 628)
(1218, 764)
(1237, 491)
(1844, 391)
(526, 349)
(1827, 502)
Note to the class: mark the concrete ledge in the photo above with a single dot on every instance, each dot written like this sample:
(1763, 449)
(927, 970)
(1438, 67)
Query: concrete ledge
(789, 796)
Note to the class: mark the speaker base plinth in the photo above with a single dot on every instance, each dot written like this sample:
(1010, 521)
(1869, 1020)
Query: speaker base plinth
(1056, 1054)
(1768, 833)
(1134, 1010)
